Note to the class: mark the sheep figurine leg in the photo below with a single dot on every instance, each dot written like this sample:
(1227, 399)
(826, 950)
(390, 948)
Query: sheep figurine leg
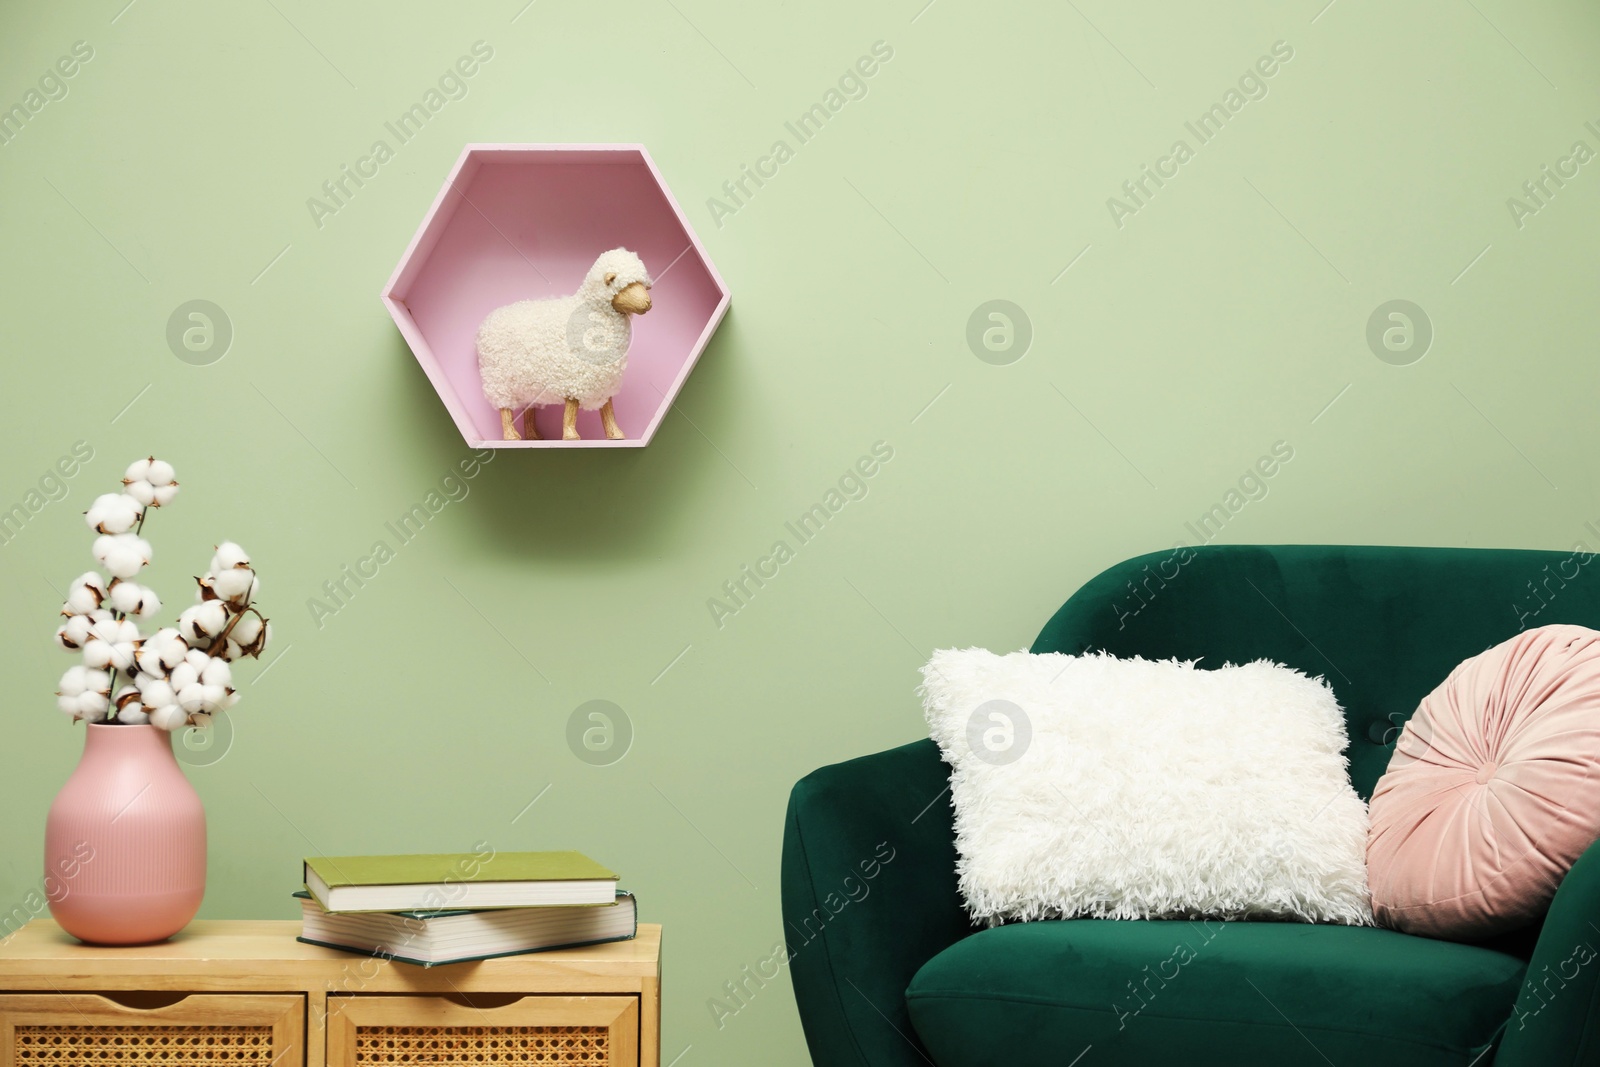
(508, 425)
(570, 349)
(608, 419)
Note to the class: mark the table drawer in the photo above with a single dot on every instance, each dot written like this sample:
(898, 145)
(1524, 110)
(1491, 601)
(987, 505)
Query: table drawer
(90, 1030)
(364, 1031)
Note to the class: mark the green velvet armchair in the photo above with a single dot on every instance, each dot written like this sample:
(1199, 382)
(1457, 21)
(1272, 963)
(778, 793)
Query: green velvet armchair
(889, 972)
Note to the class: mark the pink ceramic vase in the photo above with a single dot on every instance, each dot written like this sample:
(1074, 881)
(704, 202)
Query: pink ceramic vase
(125, 843)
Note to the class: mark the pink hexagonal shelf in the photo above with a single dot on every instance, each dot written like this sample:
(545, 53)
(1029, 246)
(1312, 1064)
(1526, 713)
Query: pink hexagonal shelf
(521, 221)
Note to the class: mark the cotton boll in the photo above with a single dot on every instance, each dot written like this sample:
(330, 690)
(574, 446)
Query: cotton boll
(123, 555)
(128, 701)
(200, 686)
(162, 651)
(202, 622)
(234, 585)
(90, 580)
(112, 643)
(151, 482)
(188, 672)
(228, 556)
(133, 715)
(132, 555)
(247, 629)
(84, 693)
(119, 654)
(234, 649)
(169, 718)
(156, 692)
(131, 598)
(217, 673)
(184, 675)
(125, 597)
(192, 698)
(90, 707)
(114, 513)
(74, 633)
(248, 637)
(114, 630)
(86, 593)
(79, 680)
(201, 698)
(217, 683)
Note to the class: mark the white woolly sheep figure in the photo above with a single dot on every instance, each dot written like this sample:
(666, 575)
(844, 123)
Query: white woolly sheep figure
(570, 349)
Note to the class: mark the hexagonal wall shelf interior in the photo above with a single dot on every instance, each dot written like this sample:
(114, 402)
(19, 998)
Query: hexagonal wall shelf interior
(518, 222)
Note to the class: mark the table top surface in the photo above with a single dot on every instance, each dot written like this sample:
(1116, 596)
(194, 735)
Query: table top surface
(271, 944)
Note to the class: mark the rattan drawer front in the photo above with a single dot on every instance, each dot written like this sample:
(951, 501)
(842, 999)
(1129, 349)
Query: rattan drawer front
(366, 1031)
(86, 1030)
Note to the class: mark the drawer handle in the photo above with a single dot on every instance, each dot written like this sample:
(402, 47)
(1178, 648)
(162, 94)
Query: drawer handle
(142, 1000)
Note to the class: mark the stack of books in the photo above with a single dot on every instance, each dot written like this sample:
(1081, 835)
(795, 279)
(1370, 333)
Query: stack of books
(437, 909)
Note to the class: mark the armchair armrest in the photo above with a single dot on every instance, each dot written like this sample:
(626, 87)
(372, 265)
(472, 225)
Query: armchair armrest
(1556, 1021)
(869, 896)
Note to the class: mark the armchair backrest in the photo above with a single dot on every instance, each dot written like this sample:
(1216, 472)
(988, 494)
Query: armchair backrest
(1383, 625)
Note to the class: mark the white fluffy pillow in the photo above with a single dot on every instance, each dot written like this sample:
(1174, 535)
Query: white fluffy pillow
(1131, 789)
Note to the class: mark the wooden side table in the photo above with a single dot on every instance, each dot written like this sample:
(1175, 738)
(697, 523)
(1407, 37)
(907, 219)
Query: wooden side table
(247, 993)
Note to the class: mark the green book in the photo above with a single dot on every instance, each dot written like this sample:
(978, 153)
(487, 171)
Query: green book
(435, 938)
(464, 881)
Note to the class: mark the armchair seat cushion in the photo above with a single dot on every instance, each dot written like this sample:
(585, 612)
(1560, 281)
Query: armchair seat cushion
(1210, 993)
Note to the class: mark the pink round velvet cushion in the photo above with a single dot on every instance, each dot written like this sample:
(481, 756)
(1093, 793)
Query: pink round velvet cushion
(1493, 791)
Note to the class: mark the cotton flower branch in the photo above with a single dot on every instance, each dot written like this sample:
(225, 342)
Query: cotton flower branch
(179, 675)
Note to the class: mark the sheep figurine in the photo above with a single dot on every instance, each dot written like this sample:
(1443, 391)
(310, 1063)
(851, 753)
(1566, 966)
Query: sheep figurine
(570, 349)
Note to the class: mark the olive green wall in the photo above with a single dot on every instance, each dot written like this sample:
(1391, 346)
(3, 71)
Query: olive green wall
(1177, 338)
